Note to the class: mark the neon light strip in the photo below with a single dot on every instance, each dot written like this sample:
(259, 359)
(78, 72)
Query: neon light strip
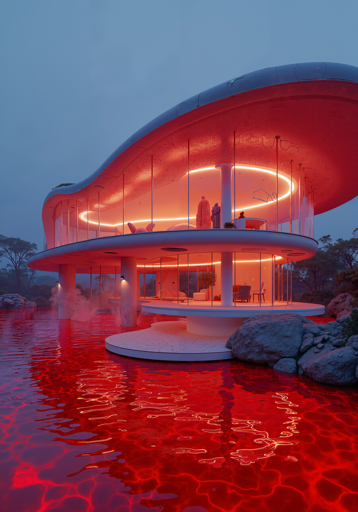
(156, 265)
(83, 215)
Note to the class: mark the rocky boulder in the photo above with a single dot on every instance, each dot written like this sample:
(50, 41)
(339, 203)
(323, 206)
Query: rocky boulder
(267, 338)
(341, 306)
(15, 301)
(286, 364)
(329, 366)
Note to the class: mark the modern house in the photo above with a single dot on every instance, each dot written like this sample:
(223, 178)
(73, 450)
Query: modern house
(214, 200)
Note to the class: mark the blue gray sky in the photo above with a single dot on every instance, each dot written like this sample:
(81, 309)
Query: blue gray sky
(80, 76)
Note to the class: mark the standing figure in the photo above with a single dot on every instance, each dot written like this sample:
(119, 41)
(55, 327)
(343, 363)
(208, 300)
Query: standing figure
(203, 220)
(215, 215)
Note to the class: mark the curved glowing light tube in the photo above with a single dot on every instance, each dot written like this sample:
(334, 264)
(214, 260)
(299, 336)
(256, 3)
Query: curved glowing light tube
(83, 215)
(157, 265)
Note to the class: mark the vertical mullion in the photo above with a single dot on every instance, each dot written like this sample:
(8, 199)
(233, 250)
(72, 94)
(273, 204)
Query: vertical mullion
(151, 194)
(123, 206)
(291, 201)
(76, 220)
(260, 281)
(115, 282)
(188, 184)
(87, 219)
(277, 138)
(99, 218)
(91, 282)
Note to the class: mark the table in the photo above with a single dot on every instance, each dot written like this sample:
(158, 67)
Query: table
(249, 223)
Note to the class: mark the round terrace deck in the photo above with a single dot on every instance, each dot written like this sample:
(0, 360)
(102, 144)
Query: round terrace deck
(209, 326)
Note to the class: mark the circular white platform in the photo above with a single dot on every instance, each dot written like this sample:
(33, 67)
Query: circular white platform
(244, 310)
(168, 341)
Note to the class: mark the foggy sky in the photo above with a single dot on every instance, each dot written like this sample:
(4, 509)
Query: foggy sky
(78, 77)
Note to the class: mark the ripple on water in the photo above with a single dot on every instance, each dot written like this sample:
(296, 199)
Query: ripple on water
(83, 429)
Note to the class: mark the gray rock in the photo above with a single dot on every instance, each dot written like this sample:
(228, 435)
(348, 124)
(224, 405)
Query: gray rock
(286, 364)
(330, 367)
(339, 343)
(308, 336)
(267, 338)
(300, 371)
(311, 329)
(228, 344)
(307, 344)
(320, 345)
(12, 301)
(319, 339)
(340, 306)
(353, 341)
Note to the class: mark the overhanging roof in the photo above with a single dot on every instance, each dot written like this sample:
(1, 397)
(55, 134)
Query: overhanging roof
(312, 106)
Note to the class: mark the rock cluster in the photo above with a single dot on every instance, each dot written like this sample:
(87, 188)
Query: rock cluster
(291, 343)
(15, 301)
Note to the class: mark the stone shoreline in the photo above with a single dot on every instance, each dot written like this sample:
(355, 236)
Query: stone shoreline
(294, 344)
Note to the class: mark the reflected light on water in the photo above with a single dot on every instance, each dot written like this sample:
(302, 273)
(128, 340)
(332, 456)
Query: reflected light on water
(85, 430)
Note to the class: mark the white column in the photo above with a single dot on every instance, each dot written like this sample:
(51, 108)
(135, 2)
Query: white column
(67, 291)
(225, 183)
(129, 292)
(226, 279)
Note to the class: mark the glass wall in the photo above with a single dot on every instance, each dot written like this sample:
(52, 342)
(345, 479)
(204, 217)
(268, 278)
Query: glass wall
(181, 194)
(258, 278)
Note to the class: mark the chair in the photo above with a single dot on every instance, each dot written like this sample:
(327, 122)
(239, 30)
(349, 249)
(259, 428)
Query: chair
(133, 229)
(258, 293)
(243, 293)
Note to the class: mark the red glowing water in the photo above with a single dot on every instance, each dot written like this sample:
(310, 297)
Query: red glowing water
(85, 430)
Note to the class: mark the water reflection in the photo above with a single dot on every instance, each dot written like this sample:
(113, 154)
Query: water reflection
(87, 430)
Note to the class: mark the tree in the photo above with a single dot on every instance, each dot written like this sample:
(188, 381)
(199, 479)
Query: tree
(316, 271)
(206, 279)
(348, 282)
(104, 279)
(17, 251)
(29, 275)
(346, 251)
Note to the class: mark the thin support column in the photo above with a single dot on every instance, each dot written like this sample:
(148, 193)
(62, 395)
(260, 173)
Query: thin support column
(67, 291)
(226, 279)
(129, 292)
(225, 182)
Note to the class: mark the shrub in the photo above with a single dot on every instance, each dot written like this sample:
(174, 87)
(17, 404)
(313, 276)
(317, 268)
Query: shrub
(323, 297)
(41, 302)
(40, 290)
(350, 326)
(229, 225)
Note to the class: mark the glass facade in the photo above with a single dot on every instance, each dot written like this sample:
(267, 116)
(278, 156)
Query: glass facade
(178, 193)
